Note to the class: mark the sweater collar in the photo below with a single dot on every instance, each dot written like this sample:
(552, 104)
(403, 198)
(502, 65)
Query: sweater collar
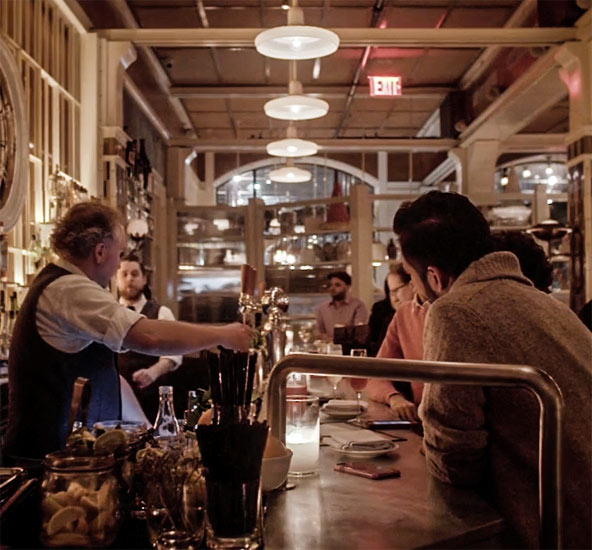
(497, 265)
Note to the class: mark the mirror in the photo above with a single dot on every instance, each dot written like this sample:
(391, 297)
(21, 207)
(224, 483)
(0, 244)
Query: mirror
(14, 140)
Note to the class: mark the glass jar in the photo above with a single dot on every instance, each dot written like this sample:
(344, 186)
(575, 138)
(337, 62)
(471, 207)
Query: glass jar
(79, 501)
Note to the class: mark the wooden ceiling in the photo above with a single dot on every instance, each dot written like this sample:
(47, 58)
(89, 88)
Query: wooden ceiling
(216, 94)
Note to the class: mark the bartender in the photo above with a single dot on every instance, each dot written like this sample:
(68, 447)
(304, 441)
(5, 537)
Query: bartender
(70, 325)
(141, 370)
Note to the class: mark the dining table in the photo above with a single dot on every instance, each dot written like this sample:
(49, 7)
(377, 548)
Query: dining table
(337, 510)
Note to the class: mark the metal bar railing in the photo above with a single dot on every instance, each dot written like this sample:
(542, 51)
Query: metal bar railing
(481, 374)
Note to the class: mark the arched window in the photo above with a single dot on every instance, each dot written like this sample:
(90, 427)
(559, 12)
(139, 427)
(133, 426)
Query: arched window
(237, 187)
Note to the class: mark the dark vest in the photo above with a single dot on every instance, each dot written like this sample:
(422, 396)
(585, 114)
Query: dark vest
(41, 378)
(131, 361)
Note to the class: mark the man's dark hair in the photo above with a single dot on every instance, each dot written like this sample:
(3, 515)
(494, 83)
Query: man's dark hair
(443, 230)
(131, 257)
(341, 275)
(84, 226)
(533, 261)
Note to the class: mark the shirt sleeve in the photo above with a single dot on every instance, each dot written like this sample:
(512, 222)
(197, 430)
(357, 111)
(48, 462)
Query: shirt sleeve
(361, 314)
(74, 311)
(453, 416)
(320, 322)
(377, 389)
(165, 314)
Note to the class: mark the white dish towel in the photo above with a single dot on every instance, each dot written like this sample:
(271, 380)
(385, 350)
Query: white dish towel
(344, 437)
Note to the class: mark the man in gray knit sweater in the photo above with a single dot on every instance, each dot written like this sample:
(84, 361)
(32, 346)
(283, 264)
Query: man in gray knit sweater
(485, 311)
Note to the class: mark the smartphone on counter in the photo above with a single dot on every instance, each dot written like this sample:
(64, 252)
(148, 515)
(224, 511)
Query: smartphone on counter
(363, 469)
(381, 424)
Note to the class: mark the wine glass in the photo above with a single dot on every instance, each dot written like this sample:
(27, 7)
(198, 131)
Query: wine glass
(334, 349)
(358, 384)
(305, 334)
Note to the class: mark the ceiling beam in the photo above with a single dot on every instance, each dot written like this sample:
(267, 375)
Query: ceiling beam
(353, 37)
(534, 143)
(325, 92)
(487, 57)
(158, 73)
(535, 91)
(371, 145)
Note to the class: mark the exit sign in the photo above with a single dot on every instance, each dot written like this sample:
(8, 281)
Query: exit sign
(385, 85)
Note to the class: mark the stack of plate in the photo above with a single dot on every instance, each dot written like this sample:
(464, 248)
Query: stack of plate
(343, 409)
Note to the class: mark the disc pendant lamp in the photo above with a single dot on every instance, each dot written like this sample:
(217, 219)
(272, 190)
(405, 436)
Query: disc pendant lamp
(292, 146)
(296, 106)
(296, 40)
(290, 174)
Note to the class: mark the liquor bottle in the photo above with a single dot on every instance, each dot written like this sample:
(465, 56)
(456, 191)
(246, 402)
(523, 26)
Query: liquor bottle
(166, 425)
(3, 328)
(144, 166)
(391, 250)
(3, 252)
(191, 415)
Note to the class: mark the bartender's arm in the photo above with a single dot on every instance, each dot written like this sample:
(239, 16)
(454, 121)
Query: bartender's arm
(155, 337)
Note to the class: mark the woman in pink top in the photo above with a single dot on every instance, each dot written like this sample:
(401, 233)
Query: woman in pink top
(403, 340)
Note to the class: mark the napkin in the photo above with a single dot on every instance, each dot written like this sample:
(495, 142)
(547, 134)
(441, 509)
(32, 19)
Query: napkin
(350, 438)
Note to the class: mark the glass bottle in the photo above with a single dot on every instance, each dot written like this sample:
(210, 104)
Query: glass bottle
(391, 250)
(144, 166)
(192, 412)
(3, 328)
(3, 252)
(166, 425)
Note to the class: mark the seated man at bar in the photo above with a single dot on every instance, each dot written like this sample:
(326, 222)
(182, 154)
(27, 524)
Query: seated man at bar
(70, 325)
(342, 309)
(141, 370)
(405, 333)
(484, 310)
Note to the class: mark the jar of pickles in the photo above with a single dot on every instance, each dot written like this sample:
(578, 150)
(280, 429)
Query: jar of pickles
(79, 501)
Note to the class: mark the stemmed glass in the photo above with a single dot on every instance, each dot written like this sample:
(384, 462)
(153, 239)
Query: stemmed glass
(334, 349)
(358, 384)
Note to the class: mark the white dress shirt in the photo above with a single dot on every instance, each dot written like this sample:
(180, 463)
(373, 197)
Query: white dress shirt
(73, 311)
(164, 313)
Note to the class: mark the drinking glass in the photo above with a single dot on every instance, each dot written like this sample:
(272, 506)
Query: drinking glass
(302, 434)
(358, 384)
(334, 349)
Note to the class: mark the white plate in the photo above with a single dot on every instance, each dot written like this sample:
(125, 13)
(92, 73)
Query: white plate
(364, 454)
(342, 415)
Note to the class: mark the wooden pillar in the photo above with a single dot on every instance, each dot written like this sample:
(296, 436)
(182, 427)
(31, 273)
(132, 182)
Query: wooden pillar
(361, 239)
(576, 73)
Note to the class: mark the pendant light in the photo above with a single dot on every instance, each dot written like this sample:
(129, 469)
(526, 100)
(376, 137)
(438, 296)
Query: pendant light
(295, 106)
(292, 146)
(290, 174)
(296, 40)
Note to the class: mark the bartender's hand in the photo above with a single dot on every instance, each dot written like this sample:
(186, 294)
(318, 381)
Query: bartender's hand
(237, 336)
(403, 408)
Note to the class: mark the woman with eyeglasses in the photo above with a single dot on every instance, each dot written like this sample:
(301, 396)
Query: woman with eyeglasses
(397, 290)
(401, 339)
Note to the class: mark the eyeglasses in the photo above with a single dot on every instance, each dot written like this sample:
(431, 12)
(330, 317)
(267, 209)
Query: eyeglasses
(395, 291)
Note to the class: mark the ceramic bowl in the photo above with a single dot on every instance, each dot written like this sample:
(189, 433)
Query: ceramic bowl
(274, 471)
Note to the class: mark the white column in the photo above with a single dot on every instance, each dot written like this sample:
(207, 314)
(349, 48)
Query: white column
(90, 152)
(476, 168)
